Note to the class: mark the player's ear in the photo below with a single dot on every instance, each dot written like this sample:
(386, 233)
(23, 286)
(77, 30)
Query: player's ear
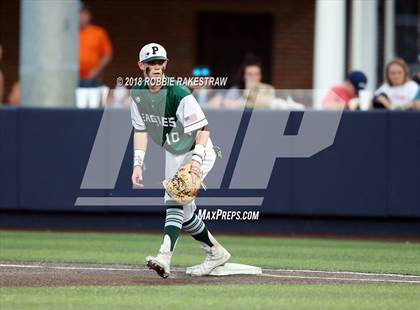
(141, 65)
(165, 63)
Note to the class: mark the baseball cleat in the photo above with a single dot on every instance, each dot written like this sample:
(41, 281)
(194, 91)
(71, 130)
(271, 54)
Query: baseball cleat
(215, 256)
(160, 264)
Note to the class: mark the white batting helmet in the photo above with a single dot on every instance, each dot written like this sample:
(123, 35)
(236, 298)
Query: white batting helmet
(152, 51)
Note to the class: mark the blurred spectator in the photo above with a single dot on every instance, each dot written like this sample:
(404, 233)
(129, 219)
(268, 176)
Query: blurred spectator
(93, 98)
(206, 96)
(14, 96)
(416, 78)
(399, 91)
(95, 50)
(416, 101)
(345, 96)
(249, 90)
(119, 97)
(1, 78)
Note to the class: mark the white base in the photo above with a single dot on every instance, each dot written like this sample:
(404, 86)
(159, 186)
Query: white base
(229, 269)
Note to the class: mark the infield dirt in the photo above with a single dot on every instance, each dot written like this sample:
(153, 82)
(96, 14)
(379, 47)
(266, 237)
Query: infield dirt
(36, 274)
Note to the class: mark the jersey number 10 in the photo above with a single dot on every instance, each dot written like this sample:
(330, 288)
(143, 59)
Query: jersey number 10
(173, 137)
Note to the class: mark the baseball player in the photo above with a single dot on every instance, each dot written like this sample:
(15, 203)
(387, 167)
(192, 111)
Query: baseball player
(173, 119)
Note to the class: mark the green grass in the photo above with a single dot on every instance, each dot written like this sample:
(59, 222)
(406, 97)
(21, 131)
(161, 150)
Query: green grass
(215, 297)
(290, 253)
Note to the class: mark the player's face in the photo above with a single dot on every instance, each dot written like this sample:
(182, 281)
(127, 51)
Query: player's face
(155, 68)
(252, 74)
(396, 74)
(84, 18)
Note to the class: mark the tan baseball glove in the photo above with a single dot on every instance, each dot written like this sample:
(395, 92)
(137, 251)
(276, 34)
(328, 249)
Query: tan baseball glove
(183, 187)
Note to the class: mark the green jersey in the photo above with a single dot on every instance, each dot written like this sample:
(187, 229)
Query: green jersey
(170, 116)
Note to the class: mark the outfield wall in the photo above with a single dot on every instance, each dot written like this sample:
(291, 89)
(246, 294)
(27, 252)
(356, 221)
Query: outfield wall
(371, 170)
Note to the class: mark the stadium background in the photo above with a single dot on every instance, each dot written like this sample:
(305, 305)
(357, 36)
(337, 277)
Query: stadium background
(290, 37)
(373, 186)
(364, 187)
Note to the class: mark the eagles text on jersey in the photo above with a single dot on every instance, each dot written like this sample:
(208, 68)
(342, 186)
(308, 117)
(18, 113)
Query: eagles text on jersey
(170, 116)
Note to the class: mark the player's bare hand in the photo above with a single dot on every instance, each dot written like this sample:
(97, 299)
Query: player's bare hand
(196, 172)
(137, 177)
